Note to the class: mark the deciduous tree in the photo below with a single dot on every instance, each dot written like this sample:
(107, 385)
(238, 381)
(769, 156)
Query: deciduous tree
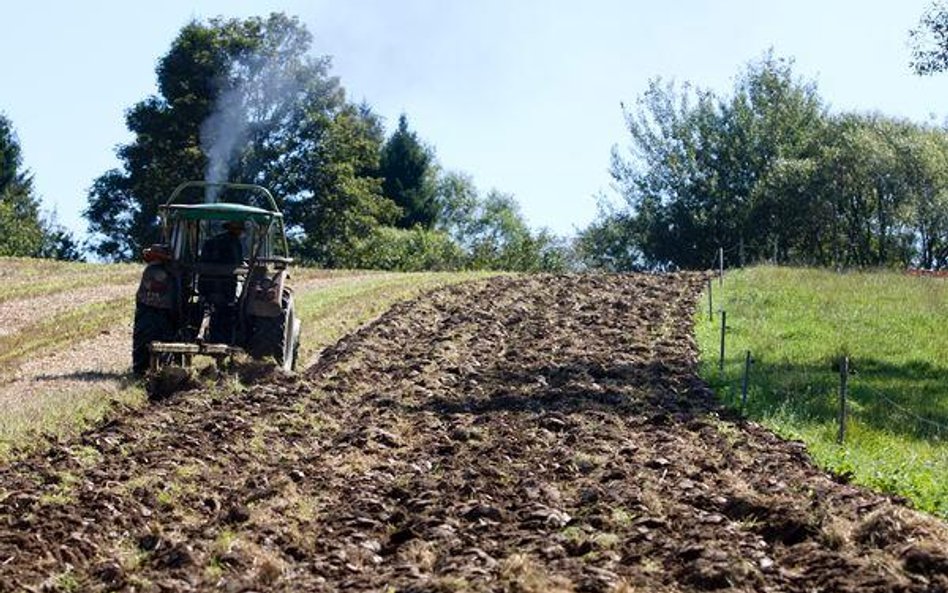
(244, 100)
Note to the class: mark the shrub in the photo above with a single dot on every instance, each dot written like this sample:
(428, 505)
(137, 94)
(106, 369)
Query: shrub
(406, 250)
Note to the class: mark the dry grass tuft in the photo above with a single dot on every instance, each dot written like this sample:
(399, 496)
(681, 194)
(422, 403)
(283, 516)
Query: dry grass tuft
(837, 532)
(419, 553)
(521, 574)
(897, 526)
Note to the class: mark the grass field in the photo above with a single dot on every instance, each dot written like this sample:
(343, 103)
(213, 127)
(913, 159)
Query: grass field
(797, 324)
(61, 372)
(22, 277)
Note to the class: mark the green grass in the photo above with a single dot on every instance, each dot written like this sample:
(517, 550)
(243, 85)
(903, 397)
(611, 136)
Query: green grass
(22, 278)
(50, 333)
(798, 323)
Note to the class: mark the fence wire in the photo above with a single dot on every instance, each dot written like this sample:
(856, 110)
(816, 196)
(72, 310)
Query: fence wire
(735, 391)
(941, 428)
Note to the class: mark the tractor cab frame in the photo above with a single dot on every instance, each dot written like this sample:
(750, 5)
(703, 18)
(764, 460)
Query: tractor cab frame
(217, 283)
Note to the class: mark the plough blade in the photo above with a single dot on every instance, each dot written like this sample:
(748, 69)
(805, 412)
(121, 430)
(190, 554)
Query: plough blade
(187, 351)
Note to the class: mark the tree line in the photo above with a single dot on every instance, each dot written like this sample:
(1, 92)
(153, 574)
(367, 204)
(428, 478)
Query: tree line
(244, 100)
(245, 95)
(765, 171)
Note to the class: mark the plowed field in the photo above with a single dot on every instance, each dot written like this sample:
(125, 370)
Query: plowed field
(515, 434)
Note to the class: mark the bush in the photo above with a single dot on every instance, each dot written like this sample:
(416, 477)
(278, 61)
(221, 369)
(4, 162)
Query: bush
(406, 250)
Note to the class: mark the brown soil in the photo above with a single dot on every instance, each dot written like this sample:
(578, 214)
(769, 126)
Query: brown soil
(519, 434)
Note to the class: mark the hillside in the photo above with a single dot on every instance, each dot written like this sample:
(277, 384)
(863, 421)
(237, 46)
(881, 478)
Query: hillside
(65, 334)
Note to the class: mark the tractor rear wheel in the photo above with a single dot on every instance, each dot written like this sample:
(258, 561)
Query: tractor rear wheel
(151, 325)
(274, 336)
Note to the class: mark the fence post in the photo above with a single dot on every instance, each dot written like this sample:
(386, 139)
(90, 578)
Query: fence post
(741, 252)
(710, 300)
(721, 265)
(747, 364)
(843, 380)
(723, 326)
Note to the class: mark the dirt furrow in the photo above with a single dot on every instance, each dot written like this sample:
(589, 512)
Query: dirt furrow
(517, 434)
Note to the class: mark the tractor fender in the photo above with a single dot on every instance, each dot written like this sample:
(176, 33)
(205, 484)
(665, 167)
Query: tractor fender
(265, 294)
(156, 288)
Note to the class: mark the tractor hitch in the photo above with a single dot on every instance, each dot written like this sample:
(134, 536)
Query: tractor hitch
(183, 353)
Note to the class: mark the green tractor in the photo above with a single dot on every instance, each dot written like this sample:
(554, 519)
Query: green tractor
(217, 283)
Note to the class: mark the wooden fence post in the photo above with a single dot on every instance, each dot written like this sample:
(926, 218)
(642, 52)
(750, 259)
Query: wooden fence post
(721, 266)
(723, 326)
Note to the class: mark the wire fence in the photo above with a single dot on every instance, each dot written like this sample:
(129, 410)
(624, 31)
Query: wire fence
(851, 387)
(938, 427)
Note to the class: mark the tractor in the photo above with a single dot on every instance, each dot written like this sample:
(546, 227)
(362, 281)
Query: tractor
(217, 283)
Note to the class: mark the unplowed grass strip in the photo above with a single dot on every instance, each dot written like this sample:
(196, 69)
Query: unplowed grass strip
(797, 323)
(24, 278)
(55, 332)
(299, 275)
(20, 313)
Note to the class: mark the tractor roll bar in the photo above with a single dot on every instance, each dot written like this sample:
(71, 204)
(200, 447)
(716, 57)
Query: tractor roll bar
(243, 186)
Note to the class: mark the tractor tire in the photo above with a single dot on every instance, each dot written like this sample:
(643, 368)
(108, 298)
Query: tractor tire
(151, 325)
(273, 336)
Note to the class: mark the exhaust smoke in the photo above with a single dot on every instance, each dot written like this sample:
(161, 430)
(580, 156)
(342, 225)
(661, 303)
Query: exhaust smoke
(222, 134)
(262, 98)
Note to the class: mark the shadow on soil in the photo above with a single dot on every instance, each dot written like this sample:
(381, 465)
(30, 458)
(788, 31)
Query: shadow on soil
(807, 391)
(89, 376)
(580, 387)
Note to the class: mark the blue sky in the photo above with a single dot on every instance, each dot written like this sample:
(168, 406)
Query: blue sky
(522, 95)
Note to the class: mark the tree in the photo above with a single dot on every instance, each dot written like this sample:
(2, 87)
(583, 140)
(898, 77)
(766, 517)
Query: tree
(492, 232)
(609, 242)
(930, 41)
(21, 227)
(458, 201)
(693, 178)
(495, 236)
(767, 174)
(407, 170)
(242, 100)
(336, 199)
